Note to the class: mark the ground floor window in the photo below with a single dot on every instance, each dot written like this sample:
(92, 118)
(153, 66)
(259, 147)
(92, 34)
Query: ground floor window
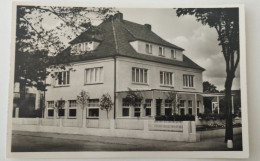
(182, 111)
(61, 112)
(190, 111)
(50, 112)
(148, 105)
(93, 108)
(137, 112)
(125, 112)
(168, 111)
(72, 108)
(198, 111)
(50, 106)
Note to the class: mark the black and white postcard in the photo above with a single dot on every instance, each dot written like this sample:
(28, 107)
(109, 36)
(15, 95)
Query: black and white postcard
(118, 82)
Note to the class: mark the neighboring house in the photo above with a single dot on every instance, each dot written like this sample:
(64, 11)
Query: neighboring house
(122, 55)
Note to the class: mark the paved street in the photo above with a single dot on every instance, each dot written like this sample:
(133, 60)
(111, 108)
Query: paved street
(50, 142)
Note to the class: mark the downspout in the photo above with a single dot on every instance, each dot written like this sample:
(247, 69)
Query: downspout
(115, 74)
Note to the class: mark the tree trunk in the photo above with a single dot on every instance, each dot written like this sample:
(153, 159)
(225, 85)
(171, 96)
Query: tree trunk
(22, 90)
(228, 104)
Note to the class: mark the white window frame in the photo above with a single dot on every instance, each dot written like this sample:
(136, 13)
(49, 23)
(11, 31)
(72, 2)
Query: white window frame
(139, 73)
(67, 79)
(163, 51)
(148, 106)
(188, 81)
(173, 53)
(72, 108)
(167, 106)
(166, 75)
(127, 107)
(51, 108)
(190, 106)
(150, 48)
(89, 107)
(99, 75)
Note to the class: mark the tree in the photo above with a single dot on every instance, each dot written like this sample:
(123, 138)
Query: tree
(82, 100)
(226, 23)
(175, 99)
(60, 104)
(36, 41)
(106, 103)
(210, 88)
(133, 98)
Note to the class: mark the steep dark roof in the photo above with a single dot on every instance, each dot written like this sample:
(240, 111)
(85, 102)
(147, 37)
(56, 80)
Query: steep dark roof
(114, 41)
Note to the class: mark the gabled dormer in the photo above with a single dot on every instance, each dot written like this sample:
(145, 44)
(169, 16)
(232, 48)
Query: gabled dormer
(87, 41)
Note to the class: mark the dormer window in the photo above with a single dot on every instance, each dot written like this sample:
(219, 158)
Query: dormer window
(161, 51)
(148, 49)
(173, 54)
(84, 46)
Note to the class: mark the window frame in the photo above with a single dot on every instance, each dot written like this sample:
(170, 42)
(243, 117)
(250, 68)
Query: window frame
(126, 106)
(93, 107)
(148, 48)
(188, 81)
(72, 108)
(94, 70)
(50, 108)
(148, 105)
(67, 79)
(163, 51)
(136, 75)
(173, 53)
(169, 81)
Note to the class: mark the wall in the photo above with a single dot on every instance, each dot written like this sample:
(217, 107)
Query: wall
(77, 84)
(124, 70)
(140, 47)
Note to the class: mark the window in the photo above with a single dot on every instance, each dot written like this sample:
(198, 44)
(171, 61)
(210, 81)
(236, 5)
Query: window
(198, 111)
(166, 78)
(94, 75)
(190, 103)
(93, 108)
(182, 103)
(161, 51)
(190, 111)
(148, 104)
(182, 111)
(63, 78)
(173, 54)
(168, 107)
(148, 48)
(198, 103)
(72, 108)
(50, 106)
(139, 75)
(188, 80)
(137, 111)
(61, 105)
(125, 110)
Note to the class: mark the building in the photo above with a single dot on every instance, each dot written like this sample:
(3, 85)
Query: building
(118, 55)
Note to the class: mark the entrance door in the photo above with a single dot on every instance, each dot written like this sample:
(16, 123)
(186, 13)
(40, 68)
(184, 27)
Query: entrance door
(158, 106)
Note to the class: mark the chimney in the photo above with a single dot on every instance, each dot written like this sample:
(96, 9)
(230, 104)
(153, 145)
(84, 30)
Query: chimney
(148, 26)
(118, 16)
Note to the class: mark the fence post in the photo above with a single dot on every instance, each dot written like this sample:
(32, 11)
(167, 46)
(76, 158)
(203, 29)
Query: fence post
(16, 112)
(186, 130)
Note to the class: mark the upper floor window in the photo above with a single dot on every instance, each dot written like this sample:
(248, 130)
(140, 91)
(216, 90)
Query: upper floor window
(148, 48)
(161, 51)
(173, 54)
(94, 75)
(63, 78)
(188, 80)
(166, 78)
(139, 75)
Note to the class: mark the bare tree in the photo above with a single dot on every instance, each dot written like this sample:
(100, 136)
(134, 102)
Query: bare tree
(106, 103)
(82, 100)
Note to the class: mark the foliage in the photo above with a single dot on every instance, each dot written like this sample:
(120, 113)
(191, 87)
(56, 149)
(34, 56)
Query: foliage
(175, 118)
(133, 98)
(226, 23)
(208, 87)
(211, 116)
(82, 99)
(106, 103)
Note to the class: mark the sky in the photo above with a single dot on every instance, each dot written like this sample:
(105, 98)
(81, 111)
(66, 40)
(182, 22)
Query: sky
(199, 41)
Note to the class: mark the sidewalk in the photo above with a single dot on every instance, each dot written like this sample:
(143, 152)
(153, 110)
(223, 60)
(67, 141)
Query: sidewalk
(96, 143)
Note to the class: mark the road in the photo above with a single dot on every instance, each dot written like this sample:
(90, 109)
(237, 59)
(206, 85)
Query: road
(52, 142)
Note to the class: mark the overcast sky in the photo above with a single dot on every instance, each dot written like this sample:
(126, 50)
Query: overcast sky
(200, 42)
